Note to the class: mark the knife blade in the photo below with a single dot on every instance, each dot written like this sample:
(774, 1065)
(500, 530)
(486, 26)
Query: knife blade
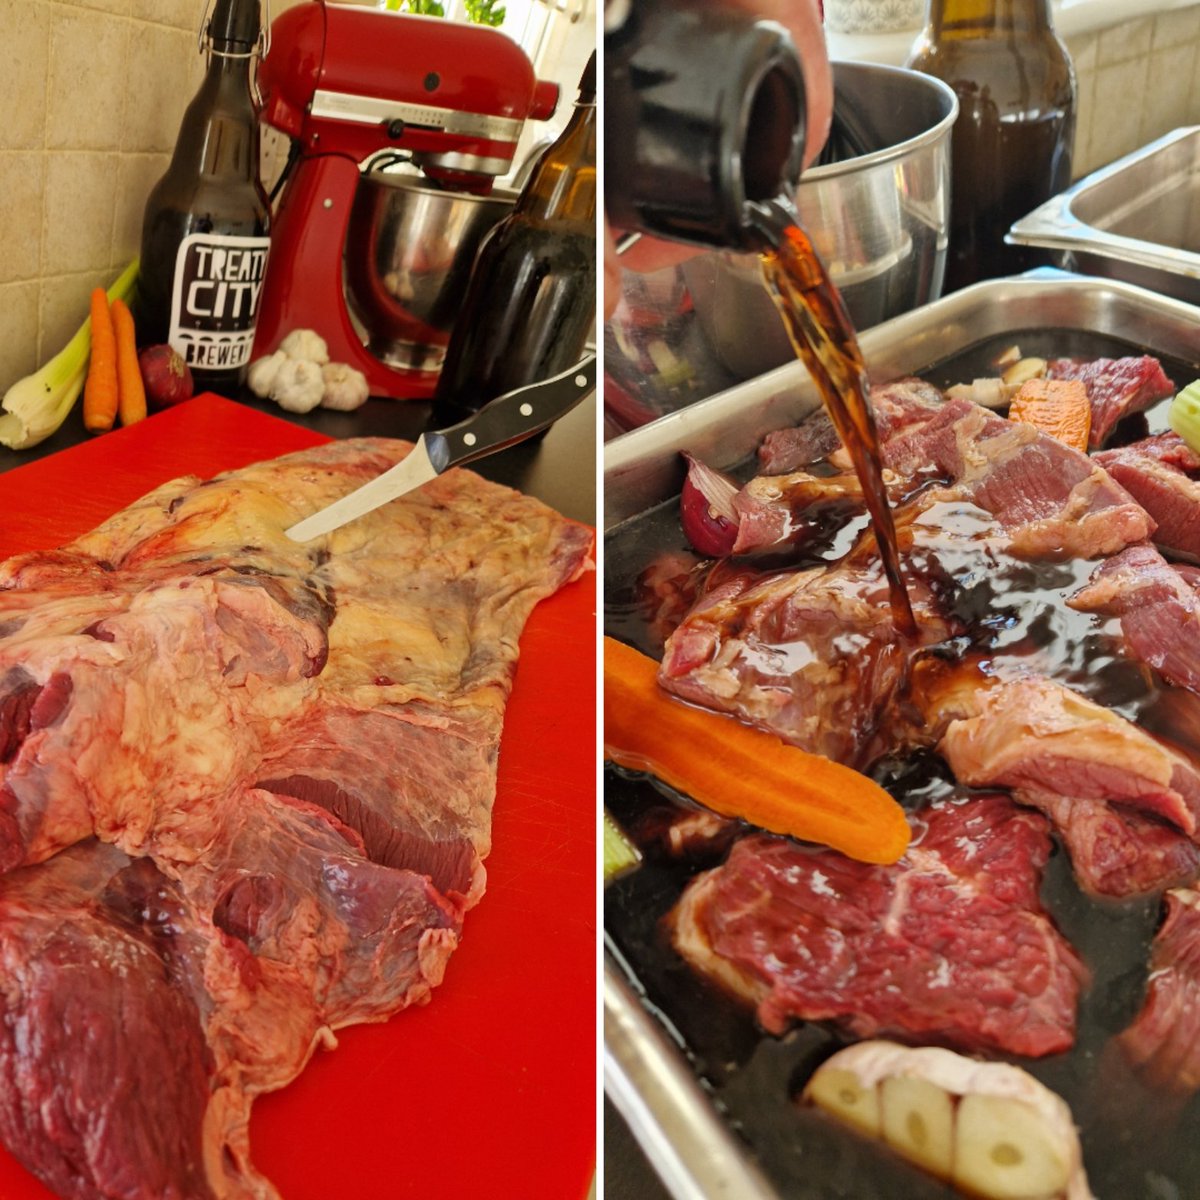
(508, 419)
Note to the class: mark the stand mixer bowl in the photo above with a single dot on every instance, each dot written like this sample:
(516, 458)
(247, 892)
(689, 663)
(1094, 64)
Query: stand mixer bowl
(409, 252)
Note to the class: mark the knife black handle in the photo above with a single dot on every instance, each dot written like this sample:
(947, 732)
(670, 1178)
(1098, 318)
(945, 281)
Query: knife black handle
(513, 417)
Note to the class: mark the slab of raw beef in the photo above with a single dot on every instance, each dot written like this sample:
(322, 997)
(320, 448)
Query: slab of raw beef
(1164, 1040)
(1117, 387)
(1163, 475)
(1125, 804)
(950, 945)
(1159, 610)
(287, 754)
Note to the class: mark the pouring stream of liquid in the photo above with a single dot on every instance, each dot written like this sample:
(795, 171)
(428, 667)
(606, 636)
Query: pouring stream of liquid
(823, 336)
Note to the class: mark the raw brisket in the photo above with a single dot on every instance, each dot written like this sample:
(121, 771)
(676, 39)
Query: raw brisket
(287, 753)
(1117, 387)
(1159, 610)
(1047, 501)
(1125, 804)
(1163, 475)
(813, 656)
(893, 405)
(951, 945)
(1164, 1040)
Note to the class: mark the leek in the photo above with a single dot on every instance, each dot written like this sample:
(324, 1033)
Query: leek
(1184, 415)
(620, 854)
(34, 407)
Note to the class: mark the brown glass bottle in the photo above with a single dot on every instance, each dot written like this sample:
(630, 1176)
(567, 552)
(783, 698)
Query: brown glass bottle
(530, 305)
(1011, 144)
(205, 232)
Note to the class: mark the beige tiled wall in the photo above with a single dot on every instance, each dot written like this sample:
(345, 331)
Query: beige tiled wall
(1137, 80)
(91, 94)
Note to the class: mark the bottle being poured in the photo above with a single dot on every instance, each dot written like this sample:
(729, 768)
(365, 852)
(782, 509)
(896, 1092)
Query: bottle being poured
(704, 144)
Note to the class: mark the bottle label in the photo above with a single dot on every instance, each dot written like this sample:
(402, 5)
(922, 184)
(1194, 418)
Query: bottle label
(214, 299)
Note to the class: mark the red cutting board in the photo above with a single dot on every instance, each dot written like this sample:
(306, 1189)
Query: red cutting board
(490, 1090)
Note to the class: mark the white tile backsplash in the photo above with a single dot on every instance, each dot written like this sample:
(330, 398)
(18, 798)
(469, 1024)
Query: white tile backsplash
(91, 97)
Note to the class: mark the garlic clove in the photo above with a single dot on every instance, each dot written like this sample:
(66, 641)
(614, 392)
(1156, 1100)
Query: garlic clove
(845, 1096)
(918, 1122)
(1005, 1149)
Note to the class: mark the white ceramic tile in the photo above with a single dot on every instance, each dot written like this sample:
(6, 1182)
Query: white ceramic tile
(1130, 39)
(116, 7)
(180, 14)
(88, 80)
(1117, 114)
(162, 66)
(1175, 28)
(78, 212)
(1083, 50)
(18, 331)
(1085, 103)
(25, 36)
(21, 185)
(1166, 106)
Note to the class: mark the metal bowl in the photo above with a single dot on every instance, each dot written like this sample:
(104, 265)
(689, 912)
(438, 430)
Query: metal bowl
(408, 257)
(879, 219)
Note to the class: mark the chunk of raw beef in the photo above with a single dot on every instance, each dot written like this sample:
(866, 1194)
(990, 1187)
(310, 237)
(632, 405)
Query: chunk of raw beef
(1163, 1041)
(949, 945)
(1159, 610)
(1124, 803)
(1163, 476)
(1117, 387)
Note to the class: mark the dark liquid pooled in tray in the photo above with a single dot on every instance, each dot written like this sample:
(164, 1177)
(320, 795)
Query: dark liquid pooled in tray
(1137, 1144)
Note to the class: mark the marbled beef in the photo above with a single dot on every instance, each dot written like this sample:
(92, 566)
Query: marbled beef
(260, 776)
(950, 945)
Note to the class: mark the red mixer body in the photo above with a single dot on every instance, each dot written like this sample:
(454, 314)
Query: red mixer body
(346, 83)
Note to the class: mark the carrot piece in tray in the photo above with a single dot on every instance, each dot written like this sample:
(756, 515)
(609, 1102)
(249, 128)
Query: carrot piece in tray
(742, 772)
(1059, 407)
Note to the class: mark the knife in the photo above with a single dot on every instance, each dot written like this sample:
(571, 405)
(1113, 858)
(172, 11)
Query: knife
(508, 419)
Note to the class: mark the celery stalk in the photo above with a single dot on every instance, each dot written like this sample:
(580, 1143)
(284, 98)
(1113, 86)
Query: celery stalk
(34, 407)
(620, 854)
(1184, 415)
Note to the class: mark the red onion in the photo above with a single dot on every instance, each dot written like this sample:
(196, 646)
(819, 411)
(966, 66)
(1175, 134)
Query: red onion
(706, 510)
(167, 377)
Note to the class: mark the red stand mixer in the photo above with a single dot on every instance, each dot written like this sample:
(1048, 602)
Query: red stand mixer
(347, 83)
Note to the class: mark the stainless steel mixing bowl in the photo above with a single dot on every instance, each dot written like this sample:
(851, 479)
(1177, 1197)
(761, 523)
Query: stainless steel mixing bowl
(879, 219)
(408, 257)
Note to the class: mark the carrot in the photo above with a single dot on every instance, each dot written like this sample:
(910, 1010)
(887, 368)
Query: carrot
(1059, 407)
(739, 771)
(131, 391)
(100, 388)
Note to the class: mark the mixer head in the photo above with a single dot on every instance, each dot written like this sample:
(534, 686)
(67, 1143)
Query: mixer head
(355, 81)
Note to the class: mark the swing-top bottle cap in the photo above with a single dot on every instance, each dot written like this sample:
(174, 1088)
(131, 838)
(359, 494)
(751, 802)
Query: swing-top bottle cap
(587, 82)
(234, 24)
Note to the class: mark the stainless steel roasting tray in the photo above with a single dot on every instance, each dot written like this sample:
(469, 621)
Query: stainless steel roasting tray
(643, 468)
(709, 1142)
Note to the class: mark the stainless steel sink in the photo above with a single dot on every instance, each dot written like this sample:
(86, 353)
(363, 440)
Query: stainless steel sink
(1137, 220)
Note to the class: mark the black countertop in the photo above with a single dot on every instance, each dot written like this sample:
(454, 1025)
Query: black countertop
(559, 469)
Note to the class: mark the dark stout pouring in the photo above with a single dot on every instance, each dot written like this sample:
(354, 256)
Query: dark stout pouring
(823, 336)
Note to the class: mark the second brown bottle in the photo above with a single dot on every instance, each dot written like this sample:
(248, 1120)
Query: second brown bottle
(1011, 144)
(530, 306)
